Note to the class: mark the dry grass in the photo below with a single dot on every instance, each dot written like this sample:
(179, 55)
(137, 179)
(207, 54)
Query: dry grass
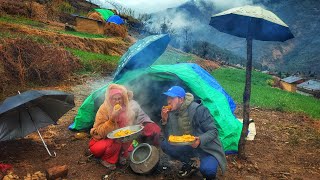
(112, 29)
(17, 7)
(208, 65)
(96, 16)
(28, 61)
(111, 46)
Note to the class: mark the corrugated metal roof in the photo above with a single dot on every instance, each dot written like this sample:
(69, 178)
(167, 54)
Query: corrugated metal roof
(312, 85)
(291, 79)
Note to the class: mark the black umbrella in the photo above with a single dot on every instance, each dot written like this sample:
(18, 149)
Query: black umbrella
(250, 22)
(25, 113)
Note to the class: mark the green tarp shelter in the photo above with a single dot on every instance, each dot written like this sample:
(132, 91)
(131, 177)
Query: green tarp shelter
(105, 13)
(149, 83)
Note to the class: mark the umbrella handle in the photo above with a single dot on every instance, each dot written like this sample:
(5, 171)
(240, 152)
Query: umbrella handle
(45, 145)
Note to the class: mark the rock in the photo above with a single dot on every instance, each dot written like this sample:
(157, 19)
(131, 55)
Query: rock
(81, 135)
(69, 27)
(35, 176)
(57, 172)
(10, 176)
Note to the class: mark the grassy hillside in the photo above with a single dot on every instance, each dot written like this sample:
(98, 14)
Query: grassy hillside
(95, 62)
(172, 56)
(262, 95)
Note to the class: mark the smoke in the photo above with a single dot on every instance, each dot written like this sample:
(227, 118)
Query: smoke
(227, 4)
(152, 6)
(147, 91)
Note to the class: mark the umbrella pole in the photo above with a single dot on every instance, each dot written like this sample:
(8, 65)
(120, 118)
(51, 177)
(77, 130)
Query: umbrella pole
(45, 145)
(246, 101)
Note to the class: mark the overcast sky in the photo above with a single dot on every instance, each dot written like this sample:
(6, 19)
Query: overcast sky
(145, 6)
(150, 6)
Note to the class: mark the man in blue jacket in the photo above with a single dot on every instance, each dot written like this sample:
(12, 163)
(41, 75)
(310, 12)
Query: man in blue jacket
(184, 116)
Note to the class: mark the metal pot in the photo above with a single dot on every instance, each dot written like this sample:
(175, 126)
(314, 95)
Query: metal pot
(144, 158)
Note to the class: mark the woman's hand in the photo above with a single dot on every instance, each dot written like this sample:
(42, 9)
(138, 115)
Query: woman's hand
(115, 112)
(196, 143)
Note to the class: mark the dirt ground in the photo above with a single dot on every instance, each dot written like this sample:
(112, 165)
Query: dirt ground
(287, 146)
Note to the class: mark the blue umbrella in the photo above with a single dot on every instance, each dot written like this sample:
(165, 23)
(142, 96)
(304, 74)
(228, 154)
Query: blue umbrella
(250, 22)
(142, 54)
(115, 19)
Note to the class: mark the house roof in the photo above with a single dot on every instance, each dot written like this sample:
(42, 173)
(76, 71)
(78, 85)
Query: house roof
(292, 79)
(312, 85)
(83, 17)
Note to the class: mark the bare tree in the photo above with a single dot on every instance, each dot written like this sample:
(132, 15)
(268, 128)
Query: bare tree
(166, 27)
(186, 32)
(204, 49)
(117, 6)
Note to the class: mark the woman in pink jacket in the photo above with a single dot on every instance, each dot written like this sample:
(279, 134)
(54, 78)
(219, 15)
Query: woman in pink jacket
(110, 117)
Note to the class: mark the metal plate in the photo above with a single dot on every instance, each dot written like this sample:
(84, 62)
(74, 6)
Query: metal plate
(181, 143)
(136, 128)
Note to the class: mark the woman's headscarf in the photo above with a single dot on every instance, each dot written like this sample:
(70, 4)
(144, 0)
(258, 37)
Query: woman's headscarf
(126, 115)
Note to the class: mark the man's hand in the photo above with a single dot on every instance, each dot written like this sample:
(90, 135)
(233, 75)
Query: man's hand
(196, 143)
(164, 115)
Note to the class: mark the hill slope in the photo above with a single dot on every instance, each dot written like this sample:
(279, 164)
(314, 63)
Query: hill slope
(298, 54)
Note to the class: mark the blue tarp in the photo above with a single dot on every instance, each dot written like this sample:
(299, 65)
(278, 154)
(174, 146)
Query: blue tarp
(115, 19)
(212, 82)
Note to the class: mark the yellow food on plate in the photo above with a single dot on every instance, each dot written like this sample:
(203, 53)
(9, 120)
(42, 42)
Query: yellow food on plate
(117, 107)
(123, 133)
(183, 138)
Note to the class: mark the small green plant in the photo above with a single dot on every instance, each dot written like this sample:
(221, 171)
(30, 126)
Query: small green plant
(280, 106)
(5, 34)
(294, 140)
(38, 39)
(270, 82)
(66, 7)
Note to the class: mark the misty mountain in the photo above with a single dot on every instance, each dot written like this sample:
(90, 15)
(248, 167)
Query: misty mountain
(190, 22)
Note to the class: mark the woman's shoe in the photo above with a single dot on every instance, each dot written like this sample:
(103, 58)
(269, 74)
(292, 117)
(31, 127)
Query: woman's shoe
(108, 165)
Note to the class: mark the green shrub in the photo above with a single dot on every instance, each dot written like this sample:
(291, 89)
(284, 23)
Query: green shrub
(270, 82)
(66, 7)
